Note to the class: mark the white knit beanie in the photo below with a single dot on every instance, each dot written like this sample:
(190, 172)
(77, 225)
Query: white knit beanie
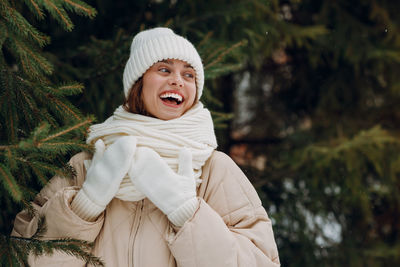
(150, 46)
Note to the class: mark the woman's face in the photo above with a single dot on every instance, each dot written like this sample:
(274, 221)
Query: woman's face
(169, 89)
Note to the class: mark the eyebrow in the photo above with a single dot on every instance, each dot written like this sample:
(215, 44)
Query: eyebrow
(170, 62)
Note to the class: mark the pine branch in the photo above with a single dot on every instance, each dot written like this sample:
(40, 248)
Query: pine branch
(42, 130)
(364, 153)
(38, 168)
(21, 25)
(11, 162)
(210, 100)
(224, 53)
(29, 98)
(386, 54)
(80, 8)
(32, 63)
(41, 228)
(44, 170)
(34, 8)
(374, 136)
(7, 147)
(9, 183)
(64, 108)
(222, 69)
(3, 35)
(61, 147)
(56, 10)
(213, 54)
(68, 89)
(31, 111)
(39, 174)
(67, 130)
(44, 99)
(9, 112)
(32, 246)
(205, 39)
(28, 206)
(301, 35)
(49, 118)
(53, 98)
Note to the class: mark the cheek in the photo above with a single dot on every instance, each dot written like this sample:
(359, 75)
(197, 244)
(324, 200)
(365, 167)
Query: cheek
(147, 100)
(149, 91)
(193, 93)
(145, 97)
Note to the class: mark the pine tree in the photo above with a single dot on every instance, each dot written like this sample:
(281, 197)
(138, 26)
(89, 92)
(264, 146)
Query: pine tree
(325, 127)
(38, 124)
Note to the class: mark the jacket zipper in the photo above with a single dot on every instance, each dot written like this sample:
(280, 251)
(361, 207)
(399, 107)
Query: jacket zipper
(135, 227)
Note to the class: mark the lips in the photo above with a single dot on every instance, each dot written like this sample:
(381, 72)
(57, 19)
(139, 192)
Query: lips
(172, 98)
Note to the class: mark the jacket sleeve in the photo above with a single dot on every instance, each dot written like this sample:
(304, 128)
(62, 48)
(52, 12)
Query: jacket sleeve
(230, 227)
(53, 202)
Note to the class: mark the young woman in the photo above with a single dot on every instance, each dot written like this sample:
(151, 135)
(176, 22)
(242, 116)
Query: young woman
(156, 193)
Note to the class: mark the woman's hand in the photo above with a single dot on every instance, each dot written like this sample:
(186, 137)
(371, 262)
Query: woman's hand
(109, 166)
(174, 194)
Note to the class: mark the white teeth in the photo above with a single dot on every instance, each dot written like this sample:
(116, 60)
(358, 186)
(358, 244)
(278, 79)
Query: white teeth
(173, 95)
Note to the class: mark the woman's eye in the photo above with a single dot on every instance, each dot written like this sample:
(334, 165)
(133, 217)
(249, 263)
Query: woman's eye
(163, 70)
(189, 75)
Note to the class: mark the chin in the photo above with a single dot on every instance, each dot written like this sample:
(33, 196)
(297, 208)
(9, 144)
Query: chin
(170, 117)
(166, 116)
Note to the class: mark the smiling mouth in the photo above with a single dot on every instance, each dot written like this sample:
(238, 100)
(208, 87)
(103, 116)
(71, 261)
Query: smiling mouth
(171, 98)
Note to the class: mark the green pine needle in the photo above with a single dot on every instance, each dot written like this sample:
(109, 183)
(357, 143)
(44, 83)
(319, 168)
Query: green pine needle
(80, 8)
(20, 25)
(57, 11)
(9, 183)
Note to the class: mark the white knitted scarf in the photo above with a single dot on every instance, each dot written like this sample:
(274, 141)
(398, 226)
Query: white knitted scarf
(194, 130)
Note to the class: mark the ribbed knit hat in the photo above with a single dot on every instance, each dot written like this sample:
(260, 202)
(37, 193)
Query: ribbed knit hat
(150, 46)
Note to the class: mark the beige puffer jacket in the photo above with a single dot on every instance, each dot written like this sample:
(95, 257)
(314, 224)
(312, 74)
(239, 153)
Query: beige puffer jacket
(229, 228)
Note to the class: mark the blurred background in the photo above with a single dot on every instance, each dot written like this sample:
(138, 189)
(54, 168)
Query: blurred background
(305, 96)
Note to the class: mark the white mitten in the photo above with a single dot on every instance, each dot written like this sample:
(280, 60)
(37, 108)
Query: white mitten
(174, 194)
(108, 168)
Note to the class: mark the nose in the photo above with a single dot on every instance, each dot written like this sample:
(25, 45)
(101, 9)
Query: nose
(176, 80)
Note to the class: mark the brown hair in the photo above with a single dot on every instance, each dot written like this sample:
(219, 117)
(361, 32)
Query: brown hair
(134, 101)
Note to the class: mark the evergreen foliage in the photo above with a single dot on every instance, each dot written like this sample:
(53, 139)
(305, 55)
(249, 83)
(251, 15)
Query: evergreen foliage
(38, 124)
(325, 118)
